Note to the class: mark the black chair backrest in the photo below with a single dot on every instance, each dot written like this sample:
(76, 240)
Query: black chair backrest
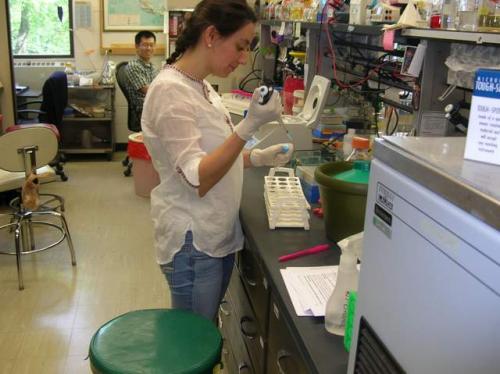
(133, 117)
(55, 98)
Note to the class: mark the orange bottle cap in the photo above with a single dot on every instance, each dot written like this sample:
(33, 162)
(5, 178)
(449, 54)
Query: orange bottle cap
(360, 143)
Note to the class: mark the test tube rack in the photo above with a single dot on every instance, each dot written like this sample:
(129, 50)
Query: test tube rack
(286, 204)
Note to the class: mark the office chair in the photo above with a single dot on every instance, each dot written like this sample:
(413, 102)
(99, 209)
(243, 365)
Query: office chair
(53, 103)
(25, 151)
(133, 115)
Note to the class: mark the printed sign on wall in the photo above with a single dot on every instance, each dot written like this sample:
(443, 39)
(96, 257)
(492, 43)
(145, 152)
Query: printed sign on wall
(483, 136)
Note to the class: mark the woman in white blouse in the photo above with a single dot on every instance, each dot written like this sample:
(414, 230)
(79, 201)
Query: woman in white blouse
(199, 154)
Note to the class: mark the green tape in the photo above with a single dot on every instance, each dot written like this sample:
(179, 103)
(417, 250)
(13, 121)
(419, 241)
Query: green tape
(349, 322)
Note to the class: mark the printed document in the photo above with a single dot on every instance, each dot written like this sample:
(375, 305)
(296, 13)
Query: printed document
(310, 287)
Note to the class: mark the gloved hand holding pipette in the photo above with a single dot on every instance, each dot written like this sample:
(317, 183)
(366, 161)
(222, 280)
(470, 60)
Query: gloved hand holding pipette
(274, 156)
(265, 107)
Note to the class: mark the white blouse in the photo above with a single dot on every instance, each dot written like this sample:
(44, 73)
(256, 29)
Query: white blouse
(184, 119)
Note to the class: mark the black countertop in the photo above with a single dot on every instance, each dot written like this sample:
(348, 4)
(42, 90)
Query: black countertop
(323, 353)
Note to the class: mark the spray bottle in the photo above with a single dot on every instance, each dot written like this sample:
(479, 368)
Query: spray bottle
(347, 280)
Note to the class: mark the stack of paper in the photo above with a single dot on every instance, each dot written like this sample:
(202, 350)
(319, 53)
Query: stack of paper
(310, 288)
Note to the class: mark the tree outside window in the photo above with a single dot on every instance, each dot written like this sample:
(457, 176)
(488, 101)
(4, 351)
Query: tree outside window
(41, 28)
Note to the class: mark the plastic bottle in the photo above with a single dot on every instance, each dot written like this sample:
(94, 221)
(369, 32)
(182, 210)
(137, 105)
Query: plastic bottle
(70, 74)
(436, 14)
(360, 148)
(347, 280)
(347, 142)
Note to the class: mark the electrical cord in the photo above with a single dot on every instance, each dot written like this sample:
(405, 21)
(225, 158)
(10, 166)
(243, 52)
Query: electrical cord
(334, 64)
(245, 80)
(389, 118)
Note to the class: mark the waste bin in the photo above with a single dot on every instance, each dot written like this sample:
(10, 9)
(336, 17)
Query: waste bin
(145, 176)
(343, 201)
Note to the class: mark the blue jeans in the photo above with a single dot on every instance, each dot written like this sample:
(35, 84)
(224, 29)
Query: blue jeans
(197, 281)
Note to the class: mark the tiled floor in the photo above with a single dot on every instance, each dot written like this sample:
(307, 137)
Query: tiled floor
(47, 327)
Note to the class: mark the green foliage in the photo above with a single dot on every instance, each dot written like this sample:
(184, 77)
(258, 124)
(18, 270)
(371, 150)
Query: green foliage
(36, 29)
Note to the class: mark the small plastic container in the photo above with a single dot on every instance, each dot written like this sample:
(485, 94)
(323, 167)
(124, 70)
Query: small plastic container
(309, 185)
(145, 176)
(360, 148)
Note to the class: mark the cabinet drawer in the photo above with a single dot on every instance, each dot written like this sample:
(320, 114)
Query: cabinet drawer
(283, 356)
(256, 285)
(234, 364)
(238, 358)
(248, 327)
(228, 359)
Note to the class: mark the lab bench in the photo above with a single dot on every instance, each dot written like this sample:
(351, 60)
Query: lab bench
(261, 330)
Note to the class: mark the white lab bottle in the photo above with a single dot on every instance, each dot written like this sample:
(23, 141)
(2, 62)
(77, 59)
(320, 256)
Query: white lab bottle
(347, 280)
(347, 142)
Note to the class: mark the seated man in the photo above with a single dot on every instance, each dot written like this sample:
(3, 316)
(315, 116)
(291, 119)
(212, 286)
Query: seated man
(141, 71)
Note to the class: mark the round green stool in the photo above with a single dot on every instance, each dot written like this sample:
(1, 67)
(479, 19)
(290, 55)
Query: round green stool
(163, 341)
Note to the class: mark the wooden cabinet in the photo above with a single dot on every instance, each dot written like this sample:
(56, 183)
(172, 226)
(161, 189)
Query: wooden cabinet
(90, 126)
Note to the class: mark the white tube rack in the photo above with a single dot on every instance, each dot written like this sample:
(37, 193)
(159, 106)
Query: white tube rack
(286, 204)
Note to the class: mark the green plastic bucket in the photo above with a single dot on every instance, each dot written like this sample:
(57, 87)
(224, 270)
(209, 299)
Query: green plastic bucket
(343, 201)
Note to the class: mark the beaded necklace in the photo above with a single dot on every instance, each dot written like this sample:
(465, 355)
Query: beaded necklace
(194, 79)
(205, 90)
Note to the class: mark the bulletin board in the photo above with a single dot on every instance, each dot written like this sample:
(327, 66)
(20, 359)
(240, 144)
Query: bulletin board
(117, 34)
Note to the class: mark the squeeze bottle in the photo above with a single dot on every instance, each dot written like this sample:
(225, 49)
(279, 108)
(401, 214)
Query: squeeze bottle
(347, 280)
(347, 142)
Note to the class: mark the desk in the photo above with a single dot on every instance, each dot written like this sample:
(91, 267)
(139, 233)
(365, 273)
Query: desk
(28, 94)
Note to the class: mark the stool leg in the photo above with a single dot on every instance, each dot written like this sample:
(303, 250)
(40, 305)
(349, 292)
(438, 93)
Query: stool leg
(18, 257)
(68, 237)
(26, 235)
(32, 234)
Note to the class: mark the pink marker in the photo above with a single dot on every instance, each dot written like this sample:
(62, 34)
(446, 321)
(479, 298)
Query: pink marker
(304, 252)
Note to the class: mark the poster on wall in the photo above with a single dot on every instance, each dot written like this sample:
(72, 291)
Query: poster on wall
(132, 15)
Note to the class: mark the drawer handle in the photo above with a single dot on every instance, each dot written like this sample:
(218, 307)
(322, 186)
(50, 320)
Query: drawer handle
(281, 355)
(248, 334)
(243, 366)
(221, 308)
(250, 282)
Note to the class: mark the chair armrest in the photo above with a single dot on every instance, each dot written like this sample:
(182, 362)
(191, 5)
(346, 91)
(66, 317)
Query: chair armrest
(25, 111)
(26, 103)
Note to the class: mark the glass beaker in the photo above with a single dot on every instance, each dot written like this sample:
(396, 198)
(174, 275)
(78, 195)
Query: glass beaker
(449, 15)
(467, 15)
(489, 16)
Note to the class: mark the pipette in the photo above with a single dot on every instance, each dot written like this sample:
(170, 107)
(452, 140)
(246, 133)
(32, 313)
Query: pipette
(265, 93)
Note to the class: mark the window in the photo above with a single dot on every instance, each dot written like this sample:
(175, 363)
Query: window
(41, 28)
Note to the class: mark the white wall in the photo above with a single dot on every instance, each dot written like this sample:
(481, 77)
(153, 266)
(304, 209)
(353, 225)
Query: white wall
(88, 57)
